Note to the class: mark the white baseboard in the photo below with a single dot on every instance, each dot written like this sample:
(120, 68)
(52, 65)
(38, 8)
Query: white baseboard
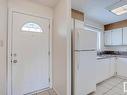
(56, 91)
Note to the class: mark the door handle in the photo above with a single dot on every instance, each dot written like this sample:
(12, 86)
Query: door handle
(15, 61)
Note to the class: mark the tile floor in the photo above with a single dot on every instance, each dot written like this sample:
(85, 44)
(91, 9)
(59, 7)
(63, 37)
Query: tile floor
(112, 86)
(47, 92)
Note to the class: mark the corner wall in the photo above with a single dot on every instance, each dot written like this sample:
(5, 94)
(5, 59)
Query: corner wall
(3, 32)
(62, 48)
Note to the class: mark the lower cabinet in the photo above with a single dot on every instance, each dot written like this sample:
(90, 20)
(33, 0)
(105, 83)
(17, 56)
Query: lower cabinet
(122, 67)
(112, 67)
(105, 69)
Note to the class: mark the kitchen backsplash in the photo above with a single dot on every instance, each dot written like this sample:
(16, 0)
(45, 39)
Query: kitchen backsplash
(115, 48)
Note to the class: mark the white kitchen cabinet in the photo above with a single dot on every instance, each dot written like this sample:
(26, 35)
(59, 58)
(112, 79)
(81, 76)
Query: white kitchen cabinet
(122, 67)
(117, 36)
(105, 69)
(112, 67)
(107, 37)
(102, 70)
(125, 36)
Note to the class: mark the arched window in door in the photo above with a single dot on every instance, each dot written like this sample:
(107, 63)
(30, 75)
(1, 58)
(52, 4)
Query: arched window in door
(31, 27)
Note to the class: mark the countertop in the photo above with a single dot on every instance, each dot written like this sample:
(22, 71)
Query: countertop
(105, 56)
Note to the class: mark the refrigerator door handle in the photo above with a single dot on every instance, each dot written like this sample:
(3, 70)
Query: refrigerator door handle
(78, 66)
(77, 60)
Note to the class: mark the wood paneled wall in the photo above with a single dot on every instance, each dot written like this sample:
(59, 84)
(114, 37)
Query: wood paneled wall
(77, 15)
(116, 25)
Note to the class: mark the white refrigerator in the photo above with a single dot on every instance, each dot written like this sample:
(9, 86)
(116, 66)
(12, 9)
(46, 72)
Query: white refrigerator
(84, 61)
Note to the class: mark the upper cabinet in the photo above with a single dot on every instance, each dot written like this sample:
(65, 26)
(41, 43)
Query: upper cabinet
(125, 36)
(117, 36)
(119, 33)
(108, 37)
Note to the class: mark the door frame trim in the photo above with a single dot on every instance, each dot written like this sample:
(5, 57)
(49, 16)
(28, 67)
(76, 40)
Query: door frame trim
(9, 49)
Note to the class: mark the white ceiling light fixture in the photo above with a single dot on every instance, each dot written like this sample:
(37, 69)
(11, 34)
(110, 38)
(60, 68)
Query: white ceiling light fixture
(119, 8)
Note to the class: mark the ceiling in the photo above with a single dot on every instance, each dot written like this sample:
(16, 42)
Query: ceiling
(50, 3)
(96, 10)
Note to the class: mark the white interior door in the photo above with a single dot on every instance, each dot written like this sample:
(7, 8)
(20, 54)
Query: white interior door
(30, 58)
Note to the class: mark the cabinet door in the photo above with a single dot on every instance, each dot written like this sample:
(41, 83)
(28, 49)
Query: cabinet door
(105, 68)
(107, 37)
(117, 36)
(125, 36)
(102, 70)
(112, 67)
(122, 67)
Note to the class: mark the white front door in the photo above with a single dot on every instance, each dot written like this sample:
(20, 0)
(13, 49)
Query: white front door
(30, 54)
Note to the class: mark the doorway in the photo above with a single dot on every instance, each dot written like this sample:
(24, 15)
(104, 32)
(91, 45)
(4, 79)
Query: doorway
(30, 53)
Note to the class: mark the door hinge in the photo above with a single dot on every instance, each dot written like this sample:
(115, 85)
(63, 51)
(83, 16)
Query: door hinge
(11, 58)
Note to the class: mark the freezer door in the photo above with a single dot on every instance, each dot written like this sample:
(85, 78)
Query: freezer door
(85, 40)
(85, 81)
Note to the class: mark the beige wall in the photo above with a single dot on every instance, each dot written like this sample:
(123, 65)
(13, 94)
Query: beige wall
(61, 48)
(30, 7)
(3, 32)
